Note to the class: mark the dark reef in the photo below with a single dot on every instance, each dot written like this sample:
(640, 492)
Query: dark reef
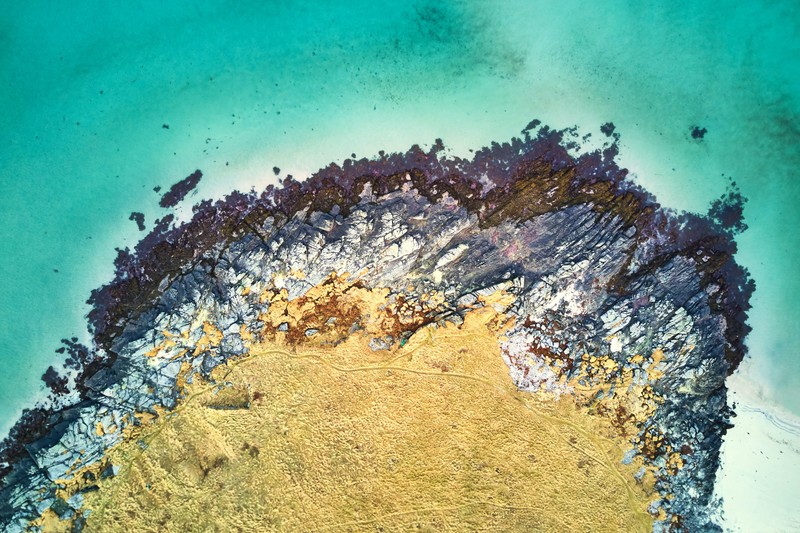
(698, 132)
(526, 212)
(179, 190)
(607, 129)
(139, 219)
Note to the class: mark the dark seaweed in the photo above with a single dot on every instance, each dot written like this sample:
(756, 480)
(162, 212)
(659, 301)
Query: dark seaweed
(535, 164)
(139, 219)
(179, 190)
(698, 132)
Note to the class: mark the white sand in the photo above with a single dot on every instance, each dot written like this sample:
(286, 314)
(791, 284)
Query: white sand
(760, 476)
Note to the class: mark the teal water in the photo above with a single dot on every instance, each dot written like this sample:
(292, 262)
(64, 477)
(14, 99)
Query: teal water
(245, 86)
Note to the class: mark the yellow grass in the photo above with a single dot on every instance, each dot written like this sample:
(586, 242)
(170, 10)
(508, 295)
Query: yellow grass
(432, 436)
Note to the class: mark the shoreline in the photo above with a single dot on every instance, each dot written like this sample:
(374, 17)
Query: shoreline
(505, 182)
(364, 425)
(758, 457)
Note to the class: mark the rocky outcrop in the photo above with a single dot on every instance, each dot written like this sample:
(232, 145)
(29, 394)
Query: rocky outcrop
(179, 190)
(601, 274)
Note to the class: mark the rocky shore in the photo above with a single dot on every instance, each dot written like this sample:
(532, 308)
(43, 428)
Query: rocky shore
(609, 289)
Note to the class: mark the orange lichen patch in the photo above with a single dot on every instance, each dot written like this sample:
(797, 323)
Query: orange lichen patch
(651, 443)
(432, 435)
(246, 335)
(167, 343)
(329, 312)
(145, 418)
(155, 351)
(211, 338)
(674, 463)
(622, 395)
(556, 354)
(50, 522)
(653, 370)
(183, 375)
(615, 393)
(297, 274)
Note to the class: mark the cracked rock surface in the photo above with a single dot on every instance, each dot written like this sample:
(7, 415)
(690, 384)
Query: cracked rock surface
(608, 288)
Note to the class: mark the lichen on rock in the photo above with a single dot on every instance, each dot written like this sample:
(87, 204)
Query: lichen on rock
(615, 309)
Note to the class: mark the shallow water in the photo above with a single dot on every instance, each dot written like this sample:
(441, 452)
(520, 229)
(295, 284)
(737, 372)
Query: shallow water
(243, 87)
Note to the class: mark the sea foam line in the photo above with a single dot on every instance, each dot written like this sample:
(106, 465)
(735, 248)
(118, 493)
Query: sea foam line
(782, 423)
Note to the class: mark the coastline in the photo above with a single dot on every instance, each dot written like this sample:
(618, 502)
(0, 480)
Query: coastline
(364, 420)
(759, 457)
(533, 180)
(730, 71)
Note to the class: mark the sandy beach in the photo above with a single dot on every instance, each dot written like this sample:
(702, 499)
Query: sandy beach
(758, 480)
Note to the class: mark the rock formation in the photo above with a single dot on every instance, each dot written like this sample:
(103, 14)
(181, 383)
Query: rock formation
(634, 310)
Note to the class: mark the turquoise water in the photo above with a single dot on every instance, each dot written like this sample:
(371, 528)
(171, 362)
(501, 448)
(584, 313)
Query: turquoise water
(245, 86)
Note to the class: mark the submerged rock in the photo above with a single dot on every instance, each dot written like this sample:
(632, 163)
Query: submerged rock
(139, 219)
(610, 290)
(179, 190)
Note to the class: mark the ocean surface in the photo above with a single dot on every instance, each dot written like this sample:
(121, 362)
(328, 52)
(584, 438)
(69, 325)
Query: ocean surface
(100, 103)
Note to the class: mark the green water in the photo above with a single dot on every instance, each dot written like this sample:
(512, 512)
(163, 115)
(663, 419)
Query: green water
(245, 86)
